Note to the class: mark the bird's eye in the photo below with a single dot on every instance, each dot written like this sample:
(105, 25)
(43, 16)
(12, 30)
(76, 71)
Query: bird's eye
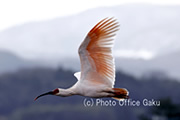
(55, 91)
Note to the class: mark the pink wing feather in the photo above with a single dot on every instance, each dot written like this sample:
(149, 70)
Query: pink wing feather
(97, 63)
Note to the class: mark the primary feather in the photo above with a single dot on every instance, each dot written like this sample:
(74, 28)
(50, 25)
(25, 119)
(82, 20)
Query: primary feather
(97, 63)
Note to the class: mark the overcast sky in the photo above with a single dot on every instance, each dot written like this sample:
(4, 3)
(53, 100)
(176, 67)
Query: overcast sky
(13, 12)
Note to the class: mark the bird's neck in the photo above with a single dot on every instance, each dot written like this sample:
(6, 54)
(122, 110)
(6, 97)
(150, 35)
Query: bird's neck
(65, 92)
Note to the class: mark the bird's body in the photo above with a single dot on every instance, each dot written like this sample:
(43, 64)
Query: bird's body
(97, 75)
(89, 89)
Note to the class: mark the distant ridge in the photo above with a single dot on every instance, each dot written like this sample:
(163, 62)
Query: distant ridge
(145, 27)
(10, 62)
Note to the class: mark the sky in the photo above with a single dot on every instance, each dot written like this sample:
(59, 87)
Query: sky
(15, 12)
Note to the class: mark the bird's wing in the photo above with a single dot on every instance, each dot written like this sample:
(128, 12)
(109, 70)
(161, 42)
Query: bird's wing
(97, 63)
(77, 75)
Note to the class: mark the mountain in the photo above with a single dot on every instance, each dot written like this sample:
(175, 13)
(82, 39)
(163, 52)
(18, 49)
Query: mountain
(162, 66)
(165, 65)
(10, 62)
(146, 28)
(151, 28)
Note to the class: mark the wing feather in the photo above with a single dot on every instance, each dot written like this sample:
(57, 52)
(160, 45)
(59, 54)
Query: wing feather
(77, 75)
(97, 63)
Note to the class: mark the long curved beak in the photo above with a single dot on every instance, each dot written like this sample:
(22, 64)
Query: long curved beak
(48, 93)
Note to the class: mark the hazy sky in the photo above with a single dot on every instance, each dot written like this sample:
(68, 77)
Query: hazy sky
(14, 12)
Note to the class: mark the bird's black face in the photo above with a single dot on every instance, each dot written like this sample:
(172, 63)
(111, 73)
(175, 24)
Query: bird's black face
(54, 92)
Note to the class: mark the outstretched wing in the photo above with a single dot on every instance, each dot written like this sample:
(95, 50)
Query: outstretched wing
(97, 63)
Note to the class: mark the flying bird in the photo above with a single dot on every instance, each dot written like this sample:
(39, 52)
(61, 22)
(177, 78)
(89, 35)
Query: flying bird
(97, 75)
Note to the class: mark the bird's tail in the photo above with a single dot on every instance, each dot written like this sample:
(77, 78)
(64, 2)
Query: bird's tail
(120, 93)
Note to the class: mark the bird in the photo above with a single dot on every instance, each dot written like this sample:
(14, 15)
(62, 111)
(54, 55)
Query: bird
(97, 76)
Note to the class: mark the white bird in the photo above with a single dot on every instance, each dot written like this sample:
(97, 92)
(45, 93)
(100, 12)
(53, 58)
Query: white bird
(97, 75)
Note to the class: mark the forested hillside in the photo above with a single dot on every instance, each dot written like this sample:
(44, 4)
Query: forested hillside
(18, 90)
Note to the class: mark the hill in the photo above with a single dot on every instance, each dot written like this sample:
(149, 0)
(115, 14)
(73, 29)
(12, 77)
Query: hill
(150, 29)
(10, 62)
(17, 91)
(166, 64)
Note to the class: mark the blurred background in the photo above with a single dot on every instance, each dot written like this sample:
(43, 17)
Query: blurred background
(39, 40)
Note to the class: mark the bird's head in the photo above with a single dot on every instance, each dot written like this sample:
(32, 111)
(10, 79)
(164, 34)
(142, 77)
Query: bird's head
(54, 92)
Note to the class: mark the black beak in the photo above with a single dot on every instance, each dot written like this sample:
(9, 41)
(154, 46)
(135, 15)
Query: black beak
(48, 93)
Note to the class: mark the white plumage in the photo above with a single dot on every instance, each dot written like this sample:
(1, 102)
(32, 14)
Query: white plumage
(97, 75)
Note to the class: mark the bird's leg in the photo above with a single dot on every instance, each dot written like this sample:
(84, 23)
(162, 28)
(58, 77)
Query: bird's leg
(117, 93)
(120, 93)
